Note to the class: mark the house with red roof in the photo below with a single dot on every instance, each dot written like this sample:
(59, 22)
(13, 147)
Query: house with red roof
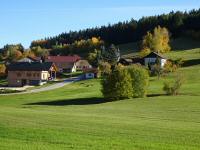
(64, 63)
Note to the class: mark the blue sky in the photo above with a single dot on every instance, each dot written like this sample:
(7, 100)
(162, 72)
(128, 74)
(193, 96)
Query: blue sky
(25, 20)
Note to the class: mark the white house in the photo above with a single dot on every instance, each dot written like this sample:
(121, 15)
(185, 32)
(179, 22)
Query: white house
(152, 58)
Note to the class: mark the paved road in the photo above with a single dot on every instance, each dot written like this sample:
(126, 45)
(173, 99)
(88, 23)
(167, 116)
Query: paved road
(48, 88)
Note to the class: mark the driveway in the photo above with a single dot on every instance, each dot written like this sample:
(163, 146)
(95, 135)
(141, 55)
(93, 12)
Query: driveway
(48, 88)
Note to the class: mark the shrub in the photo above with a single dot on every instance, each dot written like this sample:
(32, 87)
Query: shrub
(140, 80)
(174, 87)
(117, 85)
(170, 67)
(125, 82)
(157, 70)
(105, 68)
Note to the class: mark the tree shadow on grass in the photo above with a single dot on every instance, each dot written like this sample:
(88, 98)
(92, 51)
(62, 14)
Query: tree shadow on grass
(67, 102)
(192, 62)
(156, 95)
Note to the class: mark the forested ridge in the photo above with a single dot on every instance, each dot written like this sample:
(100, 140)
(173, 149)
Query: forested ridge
(178, 23)
(89, 42)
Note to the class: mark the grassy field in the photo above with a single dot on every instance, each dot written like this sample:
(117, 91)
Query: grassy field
(77, 117)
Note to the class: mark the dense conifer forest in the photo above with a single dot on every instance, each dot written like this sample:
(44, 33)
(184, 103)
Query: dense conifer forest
(178, 23)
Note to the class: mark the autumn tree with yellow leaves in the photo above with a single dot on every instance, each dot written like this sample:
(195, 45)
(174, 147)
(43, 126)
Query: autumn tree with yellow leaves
(156, 41)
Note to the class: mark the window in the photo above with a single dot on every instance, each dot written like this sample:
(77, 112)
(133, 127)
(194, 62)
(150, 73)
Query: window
(38, 74)
(28, 74)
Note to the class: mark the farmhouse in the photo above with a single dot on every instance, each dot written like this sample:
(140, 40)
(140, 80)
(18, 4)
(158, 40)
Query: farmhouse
(152, 58)
(30, 73)
(64, 63)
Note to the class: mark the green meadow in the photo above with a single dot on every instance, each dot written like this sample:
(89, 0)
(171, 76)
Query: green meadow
(77, 116)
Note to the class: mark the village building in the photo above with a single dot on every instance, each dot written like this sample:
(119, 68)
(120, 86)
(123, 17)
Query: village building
(30, 73)
(153, 58)
(150, 60)
(82, 64)
(66, 64)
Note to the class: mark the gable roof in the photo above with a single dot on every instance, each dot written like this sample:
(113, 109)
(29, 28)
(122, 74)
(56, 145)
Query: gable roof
(33, 66)
(154, 54)
(27, 59)
(82, 62)
(125, 61)
(59, 59)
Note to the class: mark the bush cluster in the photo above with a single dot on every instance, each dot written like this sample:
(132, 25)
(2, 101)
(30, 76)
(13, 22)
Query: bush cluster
(125, 82)
(174, 87)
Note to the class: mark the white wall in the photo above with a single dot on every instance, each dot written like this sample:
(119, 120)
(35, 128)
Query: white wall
(74, 68)
(163, 62)
(153, 60)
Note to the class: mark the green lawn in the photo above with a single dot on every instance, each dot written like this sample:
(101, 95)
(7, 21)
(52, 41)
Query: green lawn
(77, 117)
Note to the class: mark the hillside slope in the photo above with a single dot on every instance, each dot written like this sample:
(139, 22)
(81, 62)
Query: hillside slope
(179, 44)
(77, 117)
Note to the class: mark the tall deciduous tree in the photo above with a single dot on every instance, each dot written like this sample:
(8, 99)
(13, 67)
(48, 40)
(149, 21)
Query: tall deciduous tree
(157, 41)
